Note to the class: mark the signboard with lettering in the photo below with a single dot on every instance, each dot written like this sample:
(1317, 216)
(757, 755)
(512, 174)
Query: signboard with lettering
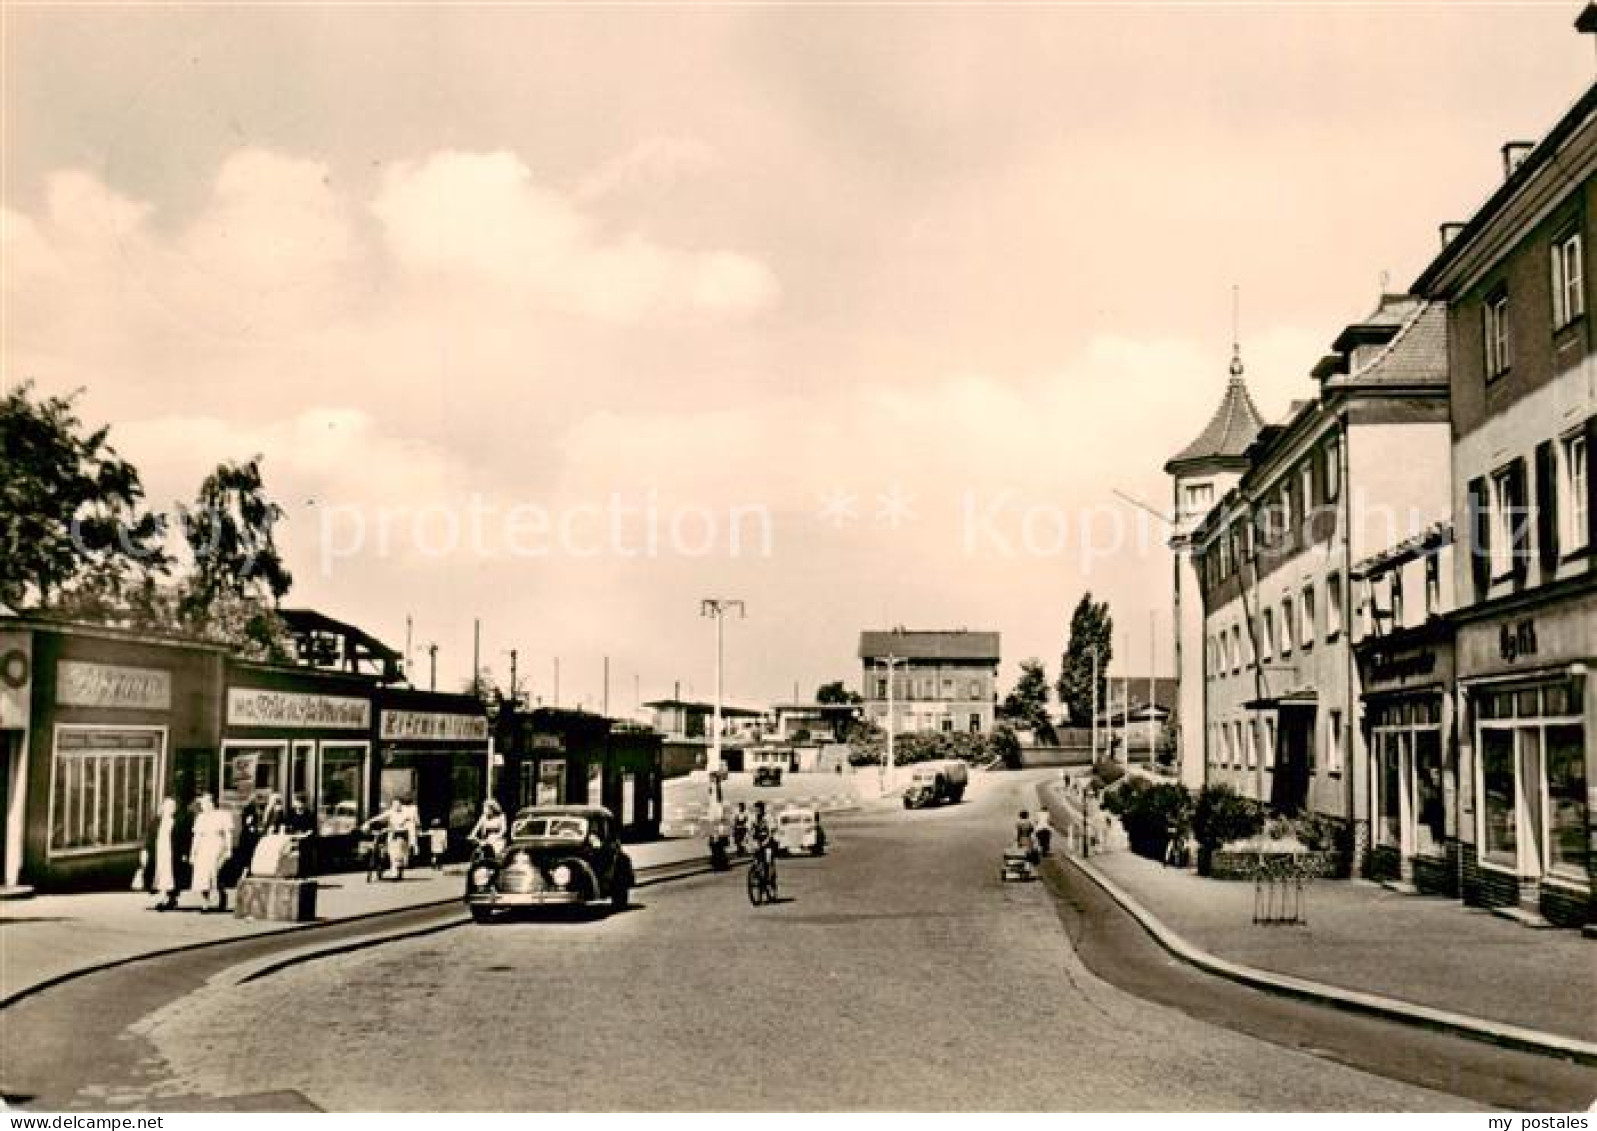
(433, 726)
(82, 684)
(258, 707)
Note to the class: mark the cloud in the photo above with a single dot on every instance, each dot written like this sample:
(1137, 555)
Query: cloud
(654, 164)
(482, 217)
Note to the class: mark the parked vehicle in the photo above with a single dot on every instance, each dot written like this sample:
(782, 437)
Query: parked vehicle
(799, 830)
(936, 783)
(557, 856)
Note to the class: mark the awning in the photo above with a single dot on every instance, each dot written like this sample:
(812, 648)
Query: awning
(1306, 697)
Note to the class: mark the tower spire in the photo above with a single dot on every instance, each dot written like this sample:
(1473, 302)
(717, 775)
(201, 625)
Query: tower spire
(1236, 334)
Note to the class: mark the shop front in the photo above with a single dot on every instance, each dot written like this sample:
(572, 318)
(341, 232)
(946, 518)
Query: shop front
(298, 733)
(1531, 703)
(97, 726)
(1407, 716)
(573, 758)
(433, 752)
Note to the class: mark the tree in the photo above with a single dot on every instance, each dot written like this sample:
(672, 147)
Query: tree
(75, 534)
(236, 575)
(1091, 630)
(835, 692)
(1027, 704)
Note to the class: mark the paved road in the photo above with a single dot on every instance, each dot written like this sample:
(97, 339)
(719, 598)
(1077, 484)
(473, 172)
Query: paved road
(898, 973)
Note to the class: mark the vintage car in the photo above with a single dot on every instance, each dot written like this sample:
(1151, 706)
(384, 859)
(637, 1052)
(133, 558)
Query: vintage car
(556, 856)
(799, 830)
(936, 783)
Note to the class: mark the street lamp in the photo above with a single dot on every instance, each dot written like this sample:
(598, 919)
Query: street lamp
(718, 607)
(890, 662)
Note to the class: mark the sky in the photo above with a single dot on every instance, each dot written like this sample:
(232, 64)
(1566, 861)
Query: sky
(568, 317)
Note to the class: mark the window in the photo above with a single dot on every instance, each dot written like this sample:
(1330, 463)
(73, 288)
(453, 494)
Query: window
(1333, 468)
(975, 689)
(1333, 606)
(1396, 577)
(341, 803)
(104, 789)
(975, 723)
(1495, 316)
(1433, 586)
(1569, 295)
(1236, 648)
(1333, 750)
(1504, 516)
(1572, 485)
(948, 688)
(1306, 490)
(881, 689)
(1307, 635)
(1269, 744)
(1268, 643)
(1566, 794)
(1287, 625)
(1251, 748)
(1249, 638)
(1497, 783)
(1259, 740)
(1197, 498)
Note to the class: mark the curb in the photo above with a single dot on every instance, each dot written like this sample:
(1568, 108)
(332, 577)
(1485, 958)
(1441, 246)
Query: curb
(1391, 1009)
(645, 877)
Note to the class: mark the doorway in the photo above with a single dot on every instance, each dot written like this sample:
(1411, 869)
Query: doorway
(1289, 788)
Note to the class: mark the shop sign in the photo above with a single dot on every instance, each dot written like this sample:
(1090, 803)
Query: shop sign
(1393, 666)
(81, 684)
(1516, 640)
(257, 707)
(548, 742)
(433, 726)
(16, 678)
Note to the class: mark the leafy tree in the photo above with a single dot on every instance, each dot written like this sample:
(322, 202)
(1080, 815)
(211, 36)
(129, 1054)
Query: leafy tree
(835, 692)
(1091, 629)
(1027, 704)
(236, 575)
(75, 534)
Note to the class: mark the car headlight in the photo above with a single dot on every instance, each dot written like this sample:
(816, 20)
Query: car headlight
(560, 874)
(480, 876)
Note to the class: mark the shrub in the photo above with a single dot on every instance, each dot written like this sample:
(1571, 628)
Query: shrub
(1320, 833)
(1105, 774)
(1152, 814)
(1221, 816)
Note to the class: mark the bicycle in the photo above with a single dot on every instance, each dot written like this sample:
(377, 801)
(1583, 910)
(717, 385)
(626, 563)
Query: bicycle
(762, 878)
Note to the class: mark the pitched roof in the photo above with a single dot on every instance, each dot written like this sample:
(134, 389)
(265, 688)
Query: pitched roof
(1230, 430)
(1415, 355)
(915, 644)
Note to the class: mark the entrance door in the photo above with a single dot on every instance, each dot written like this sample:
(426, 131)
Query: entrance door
(1289, 791)
(1531, 792)
(193, 773)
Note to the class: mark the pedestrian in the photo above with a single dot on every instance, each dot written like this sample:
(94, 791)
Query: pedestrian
(164, 859)
(1023, 830)
(488, 834)
(1043, 834)
(249, 835)
(211, 843)
(402, 833)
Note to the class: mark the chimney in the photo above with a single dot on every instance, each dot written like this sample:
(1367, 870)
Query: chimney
(1514, 154)
(1586, 22)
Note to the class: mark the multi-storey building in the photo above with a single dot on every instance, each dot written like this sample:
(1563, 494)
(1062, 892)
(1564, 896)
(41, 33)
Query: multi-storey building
(1201, 473)
(1524, 397)
(1353, 471)
(940, 680)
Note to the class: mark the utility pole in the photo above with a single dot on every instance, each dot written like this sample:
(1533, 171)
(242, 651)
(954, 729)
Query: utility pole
(432, 660)
(718, 607)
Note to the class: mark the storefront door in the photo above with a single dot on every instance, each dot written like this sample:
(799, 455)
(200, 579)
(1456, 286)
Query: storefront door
(1394, 800)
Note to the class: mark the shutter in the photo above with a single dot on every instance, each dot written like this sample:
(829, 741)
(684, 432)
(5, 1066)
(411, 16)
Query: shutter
(1547, 509)
(1318, 474)
(1519, 517)
(1480, 538)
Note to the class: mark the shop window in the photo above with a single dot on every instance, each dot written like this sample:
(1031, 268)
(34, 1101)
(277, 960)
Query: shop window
(1566, 795)
(552, 782)
(629, 799)
(104, 789)
(251, 770)
(1499, 796)
(341, 799)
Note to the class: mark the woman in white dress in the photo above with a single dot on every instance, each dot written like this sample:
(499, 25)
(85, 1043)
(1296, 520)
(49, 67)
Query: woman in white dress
(165, 858)
(213, 840)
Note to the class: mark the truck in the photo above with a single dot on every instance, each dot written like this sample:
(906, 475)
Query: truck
(936, 783)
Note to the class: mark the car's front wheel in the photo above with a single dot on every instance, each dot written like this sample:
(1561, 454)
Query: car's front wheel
(620, 895)
(482, 914)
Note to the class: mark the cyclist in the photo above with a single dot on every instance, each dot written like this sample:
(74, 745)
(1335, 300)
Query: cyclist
(764, 843)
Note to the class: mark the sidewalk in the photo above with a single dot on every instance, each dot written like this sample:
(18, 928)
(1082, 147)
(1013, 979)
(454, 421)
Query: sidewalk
(50, 937)
(1426, 951)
